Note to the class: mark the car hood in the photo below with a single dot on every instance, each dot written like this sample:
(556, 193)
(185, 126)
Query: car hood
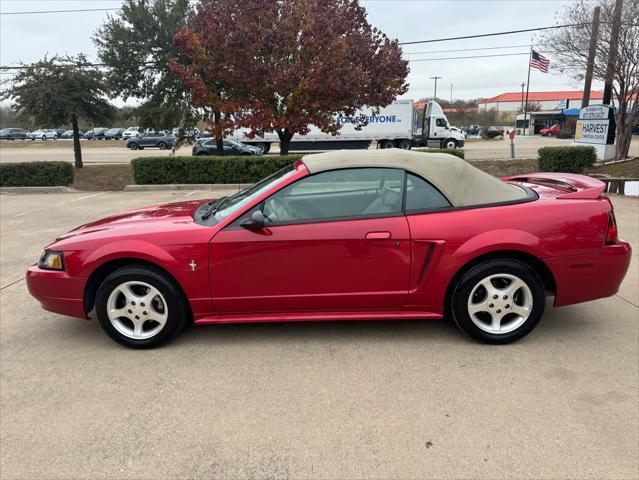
(148, 220)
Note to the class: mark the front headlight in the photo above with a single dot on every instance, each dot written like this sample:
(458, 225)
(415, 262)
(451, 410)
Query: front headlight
(51, 260)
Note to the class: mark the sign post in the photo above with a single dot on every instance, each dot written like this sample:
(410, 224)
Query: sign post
(596, 126)
(511, 135)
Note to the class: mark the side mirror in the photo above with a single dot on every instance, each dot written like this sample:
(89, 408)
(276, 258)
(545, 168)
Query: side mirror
(256, 221)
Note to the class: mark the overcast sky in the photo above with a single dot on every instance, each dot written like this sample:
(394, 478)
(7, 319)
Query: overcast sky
(28, 38)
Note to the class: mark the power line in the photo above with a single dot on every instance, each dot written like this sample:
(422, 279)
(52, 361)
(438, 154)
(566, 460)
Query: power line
(472, 56)
(466, 49)
(510, 32)
(30, 12)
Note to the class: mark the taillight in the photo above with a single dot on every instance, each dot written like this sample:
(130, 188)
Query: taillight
(612, 234)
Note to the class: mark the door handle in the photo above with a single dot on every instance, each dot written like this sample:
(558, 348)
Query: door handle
(378, 235)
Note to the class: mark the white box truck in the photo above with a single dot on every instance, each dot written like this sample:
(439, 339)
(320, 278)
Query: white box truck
(399, 125)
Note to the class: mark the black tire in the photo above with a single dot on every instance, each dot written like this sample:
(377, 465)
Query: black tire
(162, 145)
(449, 143)
(460, 296)
(133, 146)
(387, 144)
(266, 147)
(405, 144)
(173, 296)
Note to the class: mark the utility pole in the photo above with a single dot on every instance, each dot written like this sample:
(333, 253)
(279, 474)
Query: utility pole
(451, 93)
(435, 78)
(612, 55)
(523, 84)
(594, 34)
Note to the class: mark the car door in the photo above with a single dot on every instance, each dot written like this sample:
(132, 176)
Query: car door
(336, 240)
(148, 140)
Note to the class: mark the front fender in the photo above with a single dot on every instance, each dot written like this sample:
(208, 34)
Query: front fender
(138, 249)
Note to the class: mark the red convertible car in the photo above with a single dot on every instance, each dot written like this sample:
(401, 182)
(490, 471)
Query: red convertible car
(349, 235)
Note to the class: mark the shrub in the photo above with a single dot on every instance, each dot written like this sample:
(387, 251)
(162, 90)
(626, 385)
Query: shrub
(565, 133)
(458, 152)
(207, 169)
(36, 174)
(566, 159)
(490, 134)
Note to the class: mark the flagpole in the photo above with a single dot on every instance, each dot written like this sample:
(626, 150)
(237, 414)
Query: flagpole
(527, 89)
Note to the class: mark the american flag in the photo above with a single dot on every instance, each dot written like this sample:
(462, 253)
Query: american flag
(538, 61)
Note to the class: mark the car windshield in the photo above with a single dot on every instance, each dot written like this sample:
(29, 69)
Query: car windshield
(233, 142)
(236, 202)
(4, 130)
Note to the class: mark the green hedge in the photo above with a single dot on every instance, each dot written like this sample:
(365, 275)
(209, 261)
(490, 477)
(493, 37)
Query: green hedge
(566, 159)
(458, 152)
(565, 133)
(205, 169)
(36, 174)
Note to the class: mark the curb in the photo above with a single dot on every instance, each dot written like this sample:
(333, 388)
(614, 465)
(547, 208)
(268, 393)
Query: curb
(39, 190)
(186, 186)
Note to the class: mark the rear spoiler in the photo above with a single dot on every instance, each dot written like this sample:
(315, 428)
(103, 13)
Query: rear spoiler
(576, 186)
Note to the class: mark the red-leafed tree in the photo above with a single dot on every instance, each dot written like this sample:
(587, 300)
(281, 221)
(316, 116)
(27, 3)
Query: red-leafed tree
(283, 65)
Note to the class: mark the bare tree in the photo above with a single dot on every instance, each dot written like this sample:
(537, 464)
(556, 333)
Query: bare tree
(571, 51)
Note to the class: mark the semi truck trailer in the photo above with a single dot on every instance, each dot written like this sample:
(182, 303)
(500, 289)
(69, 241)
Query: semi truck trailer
(403, 124)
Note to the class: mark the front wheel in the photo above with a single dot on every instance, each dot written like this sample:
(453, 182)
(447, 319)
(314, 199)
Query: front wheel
(140, 307)
(450, 143)
(498, 301)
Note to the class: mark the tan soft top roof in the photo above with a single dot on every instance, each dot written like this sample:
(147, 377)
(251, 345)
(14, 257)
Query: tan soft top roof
(460, 182)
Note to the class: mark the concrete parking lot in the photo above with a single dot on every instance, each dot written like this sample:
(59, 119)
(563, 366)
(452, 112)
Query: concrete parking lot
(403, 399)
(94, 152)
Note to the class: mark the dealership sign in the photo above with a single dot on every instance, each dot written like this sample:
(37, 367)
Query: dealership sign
(596, 125)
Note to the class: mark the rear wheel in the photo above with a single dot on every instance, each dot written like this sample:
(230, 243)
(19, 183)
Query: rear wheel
(140, 307)
(498, 301)
(387, 144)
(405, 144)
(162, 145)
(133, 146)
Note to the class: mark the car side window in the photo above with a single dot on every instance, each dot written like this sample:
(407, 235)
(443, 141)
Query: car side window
(441, 122)
(335, 194)
(421, 195)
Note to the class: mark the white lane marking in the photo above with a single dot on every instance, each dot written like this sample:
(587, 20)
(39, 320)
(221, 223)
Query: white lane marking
(189, 194)
(93, 195)
(6, 194)
(20, 214)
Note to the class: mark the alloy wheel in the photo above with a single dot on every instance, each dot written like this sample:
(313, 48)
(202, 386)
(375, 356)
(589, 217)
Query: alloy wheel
(500, 303)
(137, 310)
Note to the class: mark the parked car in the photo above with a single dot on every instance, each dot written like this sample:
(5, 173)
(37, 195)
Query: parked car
(131, 132)
(95, 133)
(551, 131)
(208, 146)
(69, 134)
(345, 235)
(60, 131)
(151, 140)
(44, 134)
(473, 130)
(13, 134)
(188, 133)
(114, 134)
